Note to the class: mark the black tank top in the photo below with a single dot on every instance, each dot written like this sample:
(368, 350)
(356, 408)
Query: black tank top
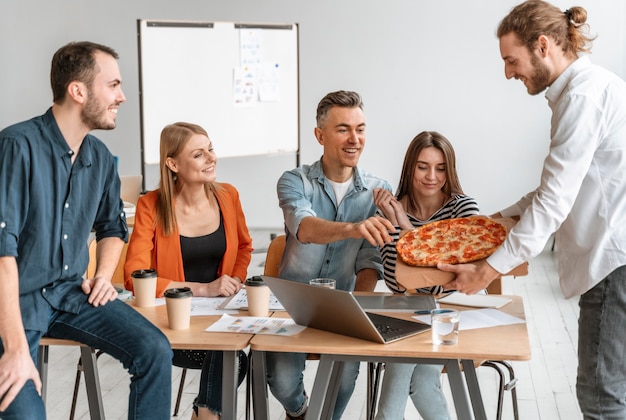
(202, 255)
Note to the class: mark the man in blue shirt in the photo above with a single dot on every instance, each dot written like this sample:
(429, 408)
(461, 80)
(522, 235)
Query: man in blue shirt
(332, 231)
(57, 183)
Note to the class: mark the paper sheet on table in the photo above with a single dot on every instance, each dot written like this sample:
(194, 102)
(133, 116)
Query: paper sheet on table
(240, 300)
(480, 318)
(204, 306)
(256, 325)
(478, 301)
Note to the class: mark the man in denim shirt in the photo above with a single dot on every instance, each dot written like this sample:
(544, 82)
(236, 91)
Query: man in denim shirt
(332, 231)
(57, 183)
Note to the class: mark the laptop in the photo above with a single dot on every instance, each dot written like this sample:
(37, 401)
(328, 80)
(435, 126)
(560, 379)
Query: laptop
(339, 312)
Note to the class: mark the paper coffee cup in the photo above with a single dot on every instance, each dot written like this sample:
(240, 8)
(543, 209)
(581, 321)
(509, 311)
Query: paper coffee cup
(178, 304)
(144, 287)
(258, 293)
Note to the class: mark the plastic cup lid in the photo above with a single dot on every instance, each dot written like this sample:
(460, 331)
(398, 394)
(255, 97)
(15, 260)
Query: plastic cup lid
(140, 274)
(177, 293)
(255, 281)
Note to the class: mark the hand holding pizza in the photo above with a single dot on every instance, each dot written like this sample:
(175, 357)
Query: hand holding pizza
(470, 278)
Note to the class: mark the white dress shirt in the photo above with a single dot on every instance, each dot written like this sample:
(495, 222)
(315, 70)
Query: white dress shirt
(582, 194)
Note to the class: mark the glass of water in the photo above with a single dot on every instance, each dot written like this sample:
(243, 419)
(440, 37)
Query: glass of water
(445, 326)
(324, 282)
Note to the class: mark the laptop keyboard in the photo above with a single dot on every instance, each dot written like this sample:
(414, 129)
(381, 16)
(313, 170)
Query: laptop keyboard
(393, 328)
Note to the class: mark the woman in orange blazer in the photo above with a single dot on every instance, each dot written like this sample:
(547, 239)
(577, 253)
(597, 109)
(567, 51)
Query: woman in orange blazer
(192, 230)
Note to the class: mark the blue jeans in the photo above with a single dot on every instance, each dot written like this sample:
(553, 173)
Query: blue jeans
(601, 381)
(420, 382)
(210, 392)
(118, 330)
(284, 377)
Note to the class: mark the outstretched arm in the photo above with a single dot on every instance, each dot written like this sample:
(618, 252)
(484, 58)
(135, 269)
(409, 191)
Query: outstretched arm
(374, 229)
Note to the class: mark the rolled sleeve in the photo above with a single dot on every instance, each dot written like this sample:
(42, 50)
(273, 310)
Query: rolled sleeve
(13, 196)
(293, 201)
(369, 257)
(110, 218)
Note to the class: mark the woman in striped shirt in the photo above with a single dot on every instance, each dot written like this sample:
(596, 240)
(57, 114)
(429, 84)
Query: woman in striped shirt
(429, 190)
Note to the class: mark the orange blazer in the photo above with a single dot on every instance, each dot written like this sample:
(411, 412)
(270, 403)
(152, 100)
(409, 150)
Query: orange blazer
(150, 248)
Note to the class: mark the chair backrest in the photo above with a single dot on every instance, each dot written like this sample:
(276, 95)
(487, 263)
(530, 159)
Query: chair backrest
(130, 188)
(118, 276)
(495, 288)
(274, 255)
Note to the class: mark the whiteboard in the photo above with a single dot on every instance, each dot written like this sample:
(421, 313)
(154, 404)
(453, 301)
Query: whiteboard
(238, 81)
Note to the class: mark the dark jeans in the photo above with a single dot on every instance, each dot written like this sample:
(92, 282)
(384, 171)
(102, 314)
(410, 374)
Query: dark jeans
(120, 331)
(601, 381)
(211, 363)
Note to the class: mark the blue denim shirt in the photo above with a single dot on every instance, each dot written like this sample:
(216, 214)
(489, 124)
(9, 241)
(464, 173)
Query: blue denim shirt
(48, 207)
(304, 192)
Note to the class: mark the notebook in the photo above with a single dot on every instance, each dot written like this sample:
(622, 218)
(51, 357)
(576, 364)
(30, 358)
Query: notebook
(479, 301)
(397, 303)
(339, 312)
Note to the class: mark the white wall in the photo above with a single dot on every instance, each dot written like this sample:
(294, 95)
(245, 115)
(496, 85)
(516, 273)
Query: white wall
(420, 65)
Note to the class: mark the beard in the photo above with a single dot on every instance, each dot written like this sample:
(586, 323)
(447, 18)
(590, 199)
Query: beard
(540, 79)
(94, 115)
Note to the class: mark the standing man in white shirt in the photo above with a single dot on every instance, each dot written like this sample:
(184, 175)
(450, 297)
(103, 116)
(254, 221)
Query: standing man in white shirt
(582, 194)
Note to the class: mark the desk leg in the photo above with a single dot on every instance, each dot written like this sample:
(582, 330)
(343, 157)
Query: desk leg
(333, 390)
(230, 374)
(459, 391)
(42, 364)
(325, 382)
(92, 382)
(474, 389)
(259, 385)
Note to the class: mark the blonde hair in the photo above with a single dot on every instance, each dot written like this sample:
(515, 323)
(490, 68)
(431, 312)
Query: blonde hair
(174, 137)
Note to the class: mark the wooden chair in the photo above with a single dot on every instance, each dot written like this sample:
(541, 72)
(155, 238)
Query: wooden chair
(87, 362)
(130, 188)
(274, 256)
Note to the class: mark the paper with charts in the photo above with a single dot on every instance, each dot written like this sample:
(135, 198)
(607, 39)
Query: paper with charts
(240, 300)
(256, 325)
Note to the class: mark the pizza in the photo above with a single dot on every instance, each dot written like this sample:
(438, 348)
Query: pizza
(451, 241)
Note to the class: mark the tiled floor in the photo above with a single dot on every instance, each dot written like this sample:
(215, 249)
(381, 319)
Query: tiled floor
(545, 387)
